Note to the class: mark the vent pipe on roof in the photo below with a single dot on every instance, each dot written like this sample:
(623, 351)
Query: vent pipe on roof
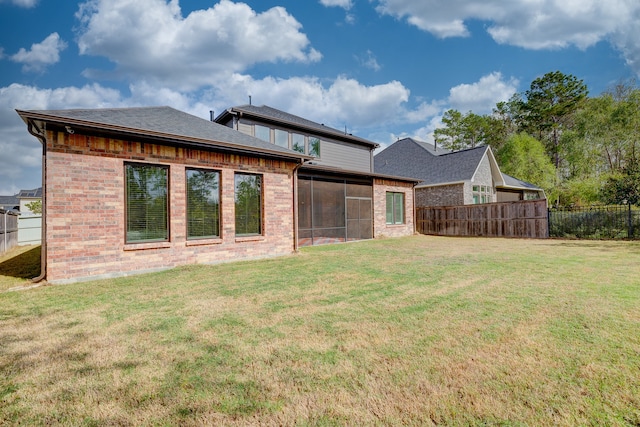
(249, 99)
(210, 115)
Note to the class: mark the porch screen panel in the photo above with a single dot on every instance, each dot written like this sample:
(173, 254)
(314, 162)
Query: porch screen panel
(147, 210)
(328, 211)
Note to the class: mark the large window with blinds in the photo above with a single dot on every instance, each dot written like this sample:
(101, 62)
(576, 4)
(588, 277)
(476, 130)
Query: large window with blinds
(203, 204)
(147, 209)
(248, 204)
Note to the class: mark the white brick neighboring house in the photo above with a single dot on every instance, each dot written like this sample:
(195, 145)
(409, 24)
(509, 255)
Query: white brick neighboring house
(449, 178)
(26, 197)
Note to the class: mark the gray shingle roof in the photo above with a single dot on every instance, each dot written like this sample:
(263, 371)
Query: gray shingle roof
(411, 158)
(510, 181)
(9, 202)
(279, 116)
(161, 122)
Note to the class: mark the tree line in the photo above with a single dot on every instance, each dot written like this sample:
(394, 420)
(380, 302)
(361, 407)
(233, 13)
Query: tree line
(581, 150)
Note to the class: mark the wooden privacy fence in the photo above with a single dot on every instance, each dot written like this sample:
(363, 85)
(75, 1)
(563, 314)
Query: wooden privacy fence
(508, 219)
(8, 230)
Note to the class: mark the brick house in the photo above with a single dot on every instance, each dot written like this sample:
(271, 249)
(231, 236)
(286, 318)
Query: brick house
(340, 198)
(456, 178)
(134, 190)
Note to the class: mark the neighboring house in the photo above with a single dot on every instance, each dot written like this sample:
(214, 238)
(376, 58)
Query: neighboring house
(19, 202)
(10, 203)
(28, 196)
(453, 178)
(340, 197)
(141, 189)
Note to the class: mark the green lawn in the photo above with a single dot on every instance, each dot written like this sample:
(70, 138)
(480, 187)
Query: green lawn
(412, 331)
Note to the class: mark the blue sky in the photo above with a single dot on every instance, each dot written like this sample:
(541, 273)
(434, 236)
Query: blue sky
(382, 69)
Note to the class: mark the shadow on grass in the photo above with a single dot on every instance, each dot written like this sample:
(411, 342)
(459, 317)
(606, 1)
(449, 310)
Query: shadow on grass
(24, 265)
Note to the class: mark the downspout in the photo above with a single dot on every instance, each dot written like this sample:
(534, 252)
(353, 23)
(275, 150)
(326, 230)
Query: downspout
(295, 205)
(415, 209)
(43, 236)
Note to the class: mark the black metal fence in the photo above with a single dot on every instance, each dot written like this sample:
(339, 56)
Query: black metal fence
(595, 222)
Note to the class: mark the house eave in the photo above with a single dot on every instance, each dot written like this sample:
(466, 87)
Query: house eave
(440, 184)
(339, 171)
(328, 132)
(39, 119)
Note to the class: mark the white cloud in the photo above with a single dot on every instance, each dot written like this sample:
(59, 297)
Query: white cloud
(20, 163)
(21, 3)
(345, 4)
(151, 38)
(369, 60)
(481, 96)
(336, 103)
(41, 54)
(531, 24)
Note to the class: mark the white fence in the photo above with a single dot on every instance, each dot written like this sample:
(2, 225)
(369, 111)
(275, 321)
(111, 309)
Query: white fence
(29, 230)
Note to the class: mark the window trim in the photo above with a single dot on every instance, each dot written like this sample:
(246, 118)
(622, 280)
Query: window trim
(219, 191)
(394, 195)
(160, 242)
(261, 206)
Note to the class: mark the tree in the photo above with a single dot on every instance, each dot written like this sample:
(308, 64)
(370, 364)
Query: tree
(35, 207)
(462, 131)
(450, 136)
(524, 157)
(623, 187)
(550, 104)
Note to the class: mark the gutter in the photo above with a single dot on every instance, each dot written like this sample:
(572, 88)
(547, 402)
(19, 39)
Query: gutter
(41, 136)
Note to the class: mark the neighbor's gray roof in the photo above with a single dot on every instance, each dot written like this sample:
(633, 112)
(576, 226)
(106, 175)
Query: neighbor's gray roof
(274, 115)
(163, 123)
(411, 158)
(434, 166)
(510, 181)
(9, 202)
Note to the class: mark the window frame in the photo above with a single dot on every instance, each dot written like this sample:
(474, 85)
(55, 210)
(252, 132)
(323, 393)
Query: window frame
(481, 194)
(218, 174)
(128, 204)
(394, 206)
(260, 206)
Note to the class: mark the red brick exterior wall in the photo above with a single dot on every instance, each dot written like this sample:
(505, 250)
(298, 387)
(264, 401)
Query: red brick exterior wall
(85, 208)
(380, 226)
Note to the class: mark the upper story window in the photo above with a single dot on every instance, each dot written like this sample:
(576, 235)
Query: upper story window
(314, 147)
(262, 132)
(203, 204)
(147, 208)
(303, 144)
(282, 138)
(297, 142)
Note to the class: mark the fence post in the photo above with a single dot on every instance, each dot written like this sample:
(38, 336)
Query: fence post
(630, 228)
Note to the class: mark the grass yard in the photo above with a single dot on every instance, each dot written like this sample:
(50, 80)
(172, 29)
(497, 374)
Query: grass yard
(413, 331)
